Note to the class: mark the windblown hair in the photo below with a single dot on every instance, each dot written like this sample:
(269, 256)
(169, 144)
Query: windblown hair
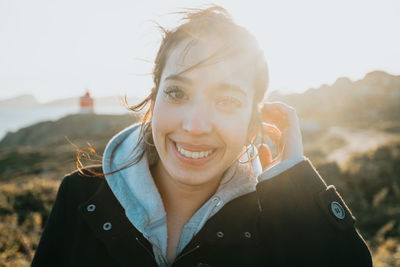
(197, 25)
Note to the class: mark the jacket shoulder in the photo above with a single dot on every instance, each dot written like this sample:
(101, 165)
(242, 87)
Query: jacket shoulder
(83, 183)
(59, 244)
(297, 207)
(90, 174)
(92, 171)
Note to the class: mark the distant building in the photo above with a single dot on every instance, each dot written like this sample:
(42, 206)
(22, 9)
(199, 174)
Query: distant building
(86, 103)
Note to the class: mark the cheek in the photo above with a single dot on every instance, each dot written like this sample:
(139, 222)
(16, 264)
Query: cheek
(165, 119)
(234, 130)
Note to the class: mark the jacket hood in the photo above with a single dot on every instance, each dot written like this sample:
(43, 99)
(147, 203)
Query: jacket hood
(137, 193)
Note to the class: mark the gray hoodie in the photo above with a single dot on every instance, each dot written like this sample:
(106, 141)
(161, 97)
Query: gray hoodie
(137, 193)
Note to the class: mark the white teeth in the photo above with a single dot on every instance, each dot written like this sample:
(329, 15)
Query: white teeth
(194, 155)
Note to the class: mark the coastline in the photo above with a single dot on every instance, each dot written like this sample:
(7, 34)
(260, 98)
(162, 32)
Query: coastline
(14, 119)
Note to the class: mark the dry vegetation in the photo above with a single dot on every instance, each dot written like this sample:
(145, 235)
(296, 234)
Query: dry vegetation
(29, 178)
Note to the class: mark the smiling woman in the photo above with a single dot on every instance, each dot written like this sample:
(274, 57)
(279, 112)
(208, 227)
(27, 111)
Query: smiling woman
(204, 109)
(187, 187)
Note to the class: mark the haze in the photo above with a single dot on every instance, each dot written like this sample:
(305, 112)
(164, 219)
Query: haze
(55, 49)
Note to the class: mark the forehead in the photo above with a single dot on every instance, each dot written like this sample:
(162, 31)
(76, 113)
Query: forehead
(209, 60)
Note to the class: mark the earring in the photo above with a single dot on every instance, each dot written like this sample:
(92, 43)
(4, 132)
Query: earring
(250, 152)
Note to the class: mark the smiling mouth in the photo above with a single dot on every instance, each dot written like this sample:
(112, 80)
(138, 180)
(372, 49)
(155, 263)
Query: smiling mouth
(193, 154)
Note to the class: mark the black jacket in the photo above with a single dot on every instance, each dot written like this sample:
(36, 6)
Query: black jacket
(293, 219)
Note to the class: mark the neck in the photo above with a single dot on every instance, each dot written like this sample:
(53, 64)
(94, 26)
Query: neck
(181, 199)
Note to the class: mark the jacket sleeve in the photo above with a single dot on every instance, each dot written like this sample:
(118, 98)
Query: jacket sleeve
(307, 222)
(280, 167)
(51, 246)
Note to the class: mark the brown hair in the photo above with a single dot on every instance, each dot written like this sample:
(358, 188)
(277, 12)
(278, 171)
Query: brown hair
(198, 23)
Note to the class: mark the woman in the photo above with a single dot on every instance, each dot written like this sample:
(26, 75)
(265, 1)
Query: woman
(185, 187)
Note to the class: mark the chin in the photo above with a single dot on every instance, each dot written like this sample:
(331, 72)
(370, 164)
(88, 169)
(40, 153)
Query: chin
(196, 179)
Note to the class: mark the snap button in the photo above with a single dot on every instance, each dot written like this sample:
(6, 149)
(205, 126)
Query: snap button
(91, 207)
(220, 234)
(107, 226)
(337, 210)
(247, 234)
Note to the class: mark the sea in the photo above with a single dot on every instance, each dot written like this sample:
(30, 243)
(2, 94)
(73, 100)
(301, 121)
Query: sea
(12, 119)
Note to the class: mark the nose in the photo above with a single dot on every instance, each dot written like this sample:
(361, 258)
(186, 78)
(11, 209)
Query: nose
(197, 120)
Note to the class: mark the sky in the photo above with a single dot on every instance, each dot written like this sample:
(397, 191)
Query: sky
(55, 49)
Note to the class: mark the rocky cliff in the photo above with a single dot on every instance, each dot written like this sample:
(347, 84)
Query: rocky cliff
(373, 101)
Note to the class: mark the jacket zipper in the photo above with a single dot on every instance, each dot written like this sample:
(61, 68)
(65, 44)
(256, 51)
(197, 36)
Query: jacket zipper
(177, 259)
(145, 248)
(185, 254)
(204, 218)
(153, 256)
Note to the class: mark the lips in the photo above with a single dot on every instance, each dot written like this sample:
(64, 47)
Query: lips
(195, 154)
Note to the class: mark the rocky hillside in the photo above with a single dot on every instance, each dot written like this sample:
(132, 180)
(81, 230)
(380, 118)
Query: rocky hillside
(77, 128)
(50, 147)
(372, 102)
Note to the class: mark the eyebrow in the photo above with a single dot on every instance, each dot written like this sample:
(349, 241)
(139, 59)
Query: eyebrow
(179, 78)
(221, 86)
(230, 87)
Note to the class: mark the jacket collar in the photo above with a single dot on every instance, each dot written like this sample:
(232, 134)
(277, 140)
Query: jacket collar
(106, 218)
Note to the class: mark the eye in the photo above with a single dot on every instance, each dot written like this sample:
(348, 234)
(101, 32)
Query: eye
(229, 102)
(175, 93)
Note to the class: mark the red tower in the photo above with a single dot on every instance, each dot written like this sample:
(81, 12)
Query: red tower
(86, 103)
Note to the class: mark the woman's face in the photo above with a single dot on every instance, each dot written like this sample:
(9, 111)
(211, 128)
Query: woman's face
(201, 116)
